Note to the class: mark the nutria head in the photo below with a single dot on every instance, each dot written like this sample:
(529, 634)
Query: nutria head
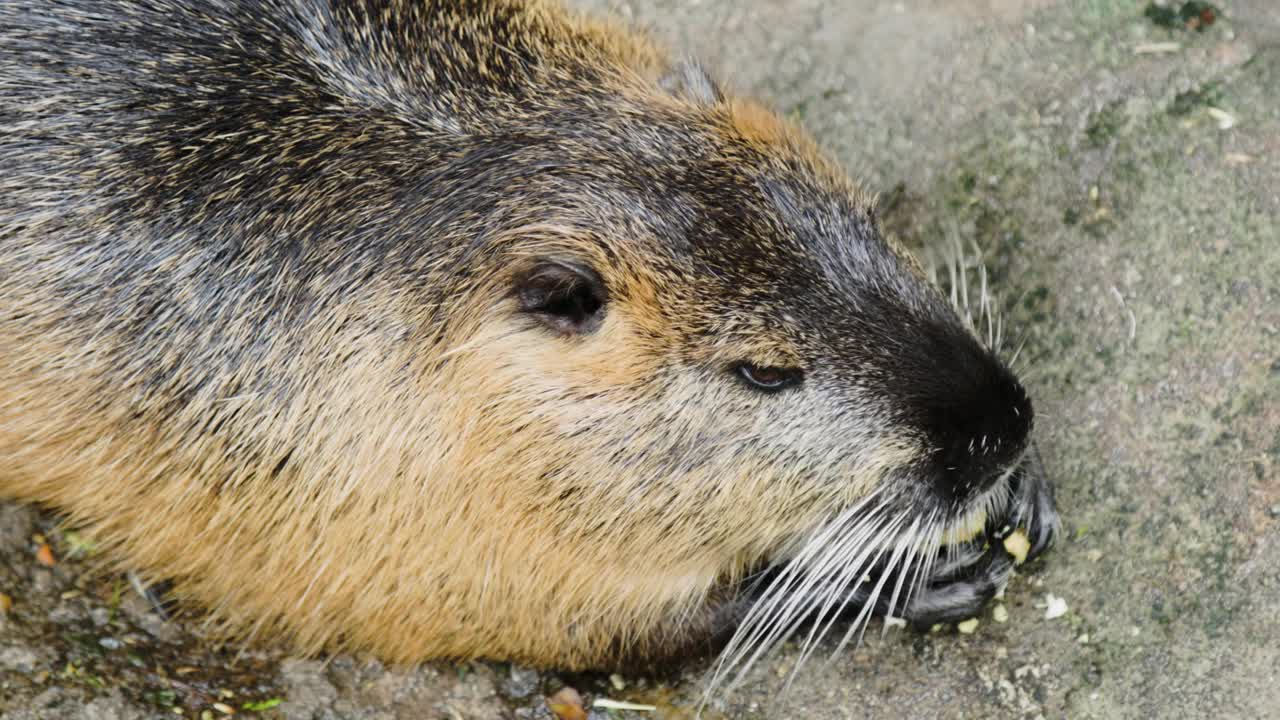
(395, 337)
(707, 355)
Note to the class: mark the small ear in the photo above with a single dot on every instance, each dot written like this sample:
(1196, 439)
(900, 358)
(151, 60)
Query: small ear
(566, 297)
(688, 79)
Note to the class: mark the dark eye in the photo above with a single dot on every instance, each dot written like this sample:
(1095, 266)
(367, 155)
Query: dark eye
(566, 297)
(769, 379)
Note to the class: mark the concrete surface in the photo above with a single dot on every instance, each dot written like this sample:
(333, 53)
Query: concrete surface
(1136, 242)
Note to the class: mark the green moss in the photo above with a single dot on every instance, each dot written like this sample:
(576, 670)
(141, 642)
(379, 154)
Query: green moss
(1193, 15)
(1105, 124)
(1186, 102)
(163, 698)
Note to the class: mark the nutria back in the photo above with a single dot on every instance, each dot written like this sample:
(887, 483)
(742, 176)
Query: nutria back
(457, 329)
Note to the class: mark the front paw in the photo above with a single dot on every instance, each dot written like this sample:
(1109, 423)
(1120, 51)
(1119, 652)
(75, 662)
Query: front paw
(1034, 507)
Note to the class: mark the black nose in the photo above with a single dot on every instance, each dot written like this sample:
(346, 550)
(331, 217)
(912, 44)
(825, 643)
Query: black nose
(978, 436)
(975, 413)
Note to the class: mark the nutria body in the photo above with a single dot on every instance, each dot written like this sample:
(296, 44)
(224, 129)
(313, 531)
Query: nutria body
(458, 329)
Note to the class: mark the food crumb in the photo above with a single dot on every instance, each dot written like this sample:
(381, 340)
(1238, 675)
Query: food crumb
(1000, 614)
(1055, 607)
(1224, 119)
(1018, 545)
(567, 705)
(968, 627)
(44, 555)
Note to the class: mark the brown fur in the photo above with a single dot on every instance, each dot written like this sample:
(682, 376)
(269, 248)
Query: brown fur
(397, 461)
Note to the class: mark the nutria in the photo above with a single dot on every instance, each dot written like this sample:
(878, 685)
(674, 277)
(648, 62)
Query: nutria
(476, 329)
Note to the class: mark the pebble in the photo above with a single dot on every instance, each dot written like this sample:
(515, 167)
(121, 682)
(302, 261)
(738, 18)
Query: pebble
(521, 682)
(21, 659)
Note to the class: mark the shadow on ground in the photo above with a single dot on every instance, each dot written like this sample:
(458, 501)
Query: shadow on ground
(1122, 181)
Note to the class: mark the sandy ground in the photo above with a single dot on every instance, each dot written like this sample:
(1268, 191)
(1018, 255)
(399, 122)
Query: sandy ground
(1128, 205)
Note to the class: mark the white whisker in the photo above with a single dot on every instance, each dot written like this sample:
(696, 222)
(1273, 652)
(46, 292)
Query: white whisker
(797, 601)
(910, 544)
(851, 575)
(761, 628)
(859, 624)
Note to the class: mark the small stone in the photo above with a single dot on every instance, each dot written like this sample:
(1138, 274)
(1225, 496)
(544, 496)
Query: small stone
(19, 658)
(42, 581)
(67, 614)
(110, 643)
(17, 522)
(1000, 614)
(521, 682)
(617, 682)
(967, 627)
(1274, 511)
(1083, 639)
(224, 708)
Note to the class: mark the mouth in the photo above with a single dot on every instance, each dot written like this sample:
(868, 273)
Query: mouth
(875, 561)
(1014, 524)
